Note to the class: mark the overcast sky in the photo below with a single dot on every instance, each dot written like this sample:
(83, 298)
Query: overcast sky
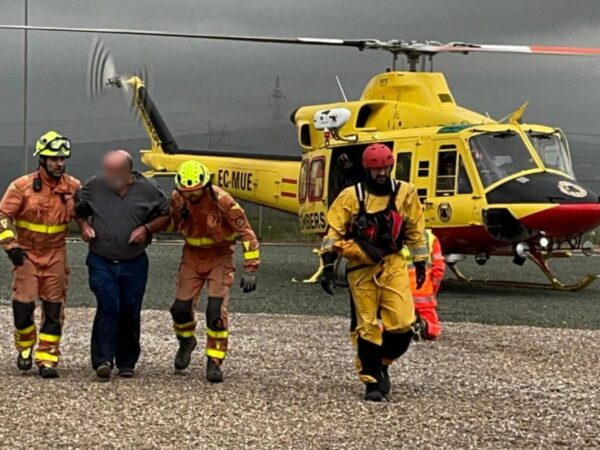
(214, 80)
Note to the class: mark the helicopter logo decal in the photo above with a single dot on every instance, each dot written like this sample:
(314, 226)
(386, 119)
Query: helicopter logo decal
(571, 189)
(445, 212)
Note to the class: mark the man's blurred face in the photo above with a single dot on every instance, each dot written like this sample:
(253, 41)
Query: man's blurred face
(193, 196)
(381, 175)
(116, 170)
(55, 166)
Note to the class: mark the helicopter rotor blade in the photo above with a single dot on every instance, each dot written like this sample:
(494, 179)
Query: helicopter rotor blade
(461, 47)
(358, 43)
(410, 48)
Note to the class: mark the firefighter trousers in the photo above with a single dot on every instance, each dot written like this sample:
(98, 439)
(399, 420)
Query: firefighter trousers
(44, 276)
(384, 313)
(200, 267)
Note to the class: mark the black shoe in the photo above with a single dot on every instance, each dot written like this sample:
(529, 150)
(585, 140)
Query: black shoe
(104, 371)
(385, 385)
(126, 372)
(214, 374)
(373, 394)
(184, 353)
(48, 372)
(25, 360)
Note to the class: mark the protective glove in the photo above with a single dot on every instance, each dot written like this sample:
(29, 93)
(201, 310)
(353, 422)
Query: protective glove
(248, 282)
(421, 273)
(17, 256)
(329, 279)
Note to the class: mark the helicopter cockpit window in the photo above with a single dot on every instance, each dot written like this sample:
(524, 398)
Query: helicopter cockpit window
(499, 155)
(316, 179)
(446, 173)
(403, 166)
(553, 150)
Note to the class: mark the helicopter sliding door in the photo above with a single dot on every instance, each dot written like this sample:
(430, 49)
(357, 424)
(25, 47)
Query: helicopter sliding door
(451, 199)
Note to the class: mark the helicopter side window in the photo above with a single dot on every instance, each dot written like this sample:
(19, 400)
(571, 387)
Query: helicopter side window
(403, 166)
(302, 182)
(446, 173)
(316, 179)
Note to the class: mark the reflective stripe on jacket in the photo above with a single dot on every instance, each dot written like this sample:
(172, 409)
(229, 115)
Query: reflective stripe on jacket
(37, 219)
(214, 223)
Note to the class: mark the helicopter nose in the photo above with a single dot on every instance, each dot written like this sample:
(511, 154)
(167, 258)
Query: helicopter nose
(564, 220)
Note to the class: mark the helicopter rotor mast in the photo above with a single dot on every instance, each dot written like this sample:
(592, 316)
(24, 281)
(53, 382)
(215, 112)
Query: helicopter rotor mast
(414, 51)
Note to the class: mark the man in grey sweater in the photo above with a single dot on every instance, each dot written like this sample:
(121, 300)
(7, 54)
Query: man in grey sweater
(119, 211)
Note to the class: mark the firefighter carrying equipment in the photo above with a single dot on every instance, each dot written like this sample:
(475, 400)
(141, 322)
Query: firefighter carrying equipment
(425, 296)
(54, 145)
(380, 289)
(192, 175)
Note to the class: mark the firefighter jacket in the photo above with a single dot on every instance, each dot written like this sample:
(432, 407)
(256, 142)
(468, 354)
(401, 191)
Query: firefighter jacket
(214, 224)
(36, 210)
(345, 209)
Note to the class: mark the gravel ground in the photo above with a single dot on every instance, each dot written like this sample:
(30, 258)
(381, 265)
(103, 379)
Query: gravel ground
(514, 369)
(290, 384)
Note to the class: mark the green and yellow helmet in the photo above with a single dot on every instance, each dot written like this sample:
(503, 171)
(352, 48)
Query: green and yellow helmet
(191, 175)
(53, 144)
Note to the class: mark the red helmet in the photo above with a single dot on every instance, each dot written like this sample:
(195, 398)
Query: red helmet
(377, 156)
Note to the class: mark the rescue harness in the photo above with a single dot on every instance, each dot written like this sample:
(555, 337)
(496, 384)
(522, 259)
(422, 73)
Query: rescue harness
(379, 233)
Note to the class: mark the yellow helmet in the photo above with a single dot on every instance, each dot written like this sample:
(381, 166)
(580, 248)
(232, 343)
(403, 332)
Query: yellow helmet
(192, 175)
(53, 144)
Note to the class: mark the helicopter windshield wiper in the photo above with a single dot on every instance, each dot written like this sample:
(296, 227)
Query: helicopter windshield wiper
(504, 134)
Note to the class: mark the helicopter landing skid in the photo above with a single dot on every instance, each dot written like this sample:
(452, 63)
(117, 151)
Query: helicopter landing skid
(541, 262)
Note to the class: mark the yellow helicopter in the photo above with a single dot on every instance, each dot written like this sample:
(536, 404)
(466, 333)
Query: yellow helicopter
(488, 187)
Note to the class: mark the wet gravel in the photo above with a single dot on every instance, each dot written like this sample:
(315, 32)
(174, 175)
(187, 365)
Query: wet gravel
(290, 384)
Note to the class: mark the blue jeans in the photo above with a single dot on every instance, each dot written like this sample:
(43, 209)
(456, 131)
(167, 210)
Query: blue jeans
(119, 289)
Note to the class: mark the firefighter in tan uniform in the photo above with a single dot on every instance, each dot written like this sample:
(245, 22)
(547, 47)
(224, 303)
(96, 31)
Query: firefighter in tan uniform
(369, 224)
(210, 221)
(34, 218)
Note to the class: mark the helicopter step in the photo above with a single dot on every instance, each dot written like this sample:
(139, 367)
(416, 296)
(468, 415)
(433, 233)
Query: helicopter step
(540, 260)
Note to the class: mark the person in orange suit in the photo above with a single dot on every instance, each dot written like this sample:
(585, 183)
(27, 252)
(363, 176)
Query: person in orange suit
(35, 212)
(210, 221)
(425, 298)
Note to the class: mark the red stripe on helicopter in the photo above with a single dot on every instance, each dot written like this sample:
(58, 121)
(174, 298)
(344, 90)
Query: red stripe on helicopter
(288, 194)
(566, 50)
(289, 181)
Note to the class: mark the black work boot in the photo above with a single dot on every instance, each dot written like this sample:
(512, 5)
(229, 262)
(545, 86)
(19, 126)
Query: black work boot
(385, 385)
(373, 393)
(104, 371)
(214, 374)
(48, 372)
(184, 352)
(25, 360)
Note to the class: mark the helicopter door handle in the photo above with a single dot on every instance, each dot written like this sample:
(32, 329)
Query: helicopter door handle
(428, 205)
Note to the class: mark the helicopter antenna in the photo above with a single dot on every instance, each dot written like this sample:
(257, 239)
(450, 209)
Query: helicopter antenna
(341, 88)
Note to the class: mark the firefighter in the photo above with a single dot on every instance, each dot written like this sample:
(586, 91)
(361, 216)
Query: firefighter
(210, 221)
(369, 224)
(428, 324)
(34, 219)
